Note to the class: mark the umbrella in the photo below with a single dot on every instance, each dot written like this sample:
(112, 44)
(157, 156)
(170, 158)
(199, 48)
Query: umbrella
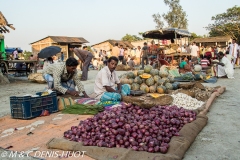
(49, 52)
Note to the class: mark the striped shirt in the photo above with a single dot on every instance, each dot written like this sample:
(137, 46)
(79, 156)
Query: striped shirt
(205, 63)
(60, 74)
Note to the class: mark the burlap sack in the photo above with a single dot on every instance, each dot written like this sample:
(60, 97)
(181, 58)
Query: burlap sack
(199, 85)
(211, 99)
(36, 77)
(148, 102)
(187, 85)
(178, 146)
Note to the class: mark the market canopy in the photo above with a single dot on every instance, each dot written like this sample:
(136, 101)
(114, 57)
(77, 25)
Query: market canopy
(167, 33)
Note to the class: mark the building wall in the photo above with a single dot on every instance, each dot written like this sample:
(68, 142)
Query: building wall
(104, 46)
(38, 46)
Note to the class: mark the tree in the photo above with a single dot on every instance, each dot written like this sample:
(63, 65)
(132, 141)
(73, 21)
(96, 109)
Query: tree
(131, 38)
(27, 54)
(194, 35)
(158, 20)
(227, 23)
(175, 17)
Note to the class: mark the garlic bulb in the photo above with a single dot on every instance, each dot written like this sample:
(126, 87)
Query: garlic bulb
(185, 101)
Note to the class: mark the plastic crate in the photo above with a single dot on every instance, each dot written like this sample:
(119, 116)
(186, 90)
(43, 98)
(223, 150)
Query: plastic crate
(28, 107)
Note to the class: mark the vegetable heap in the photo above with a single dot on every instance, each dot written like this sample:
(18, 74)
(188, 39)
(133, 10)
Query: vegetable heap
(130, 126)
(185, 101)
(83, 109)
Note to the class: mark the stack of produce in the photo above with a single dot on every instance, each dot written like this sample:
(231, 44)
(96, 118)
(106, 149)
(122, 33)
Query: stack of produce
(130, 126)
(150, 80)
(185, 101)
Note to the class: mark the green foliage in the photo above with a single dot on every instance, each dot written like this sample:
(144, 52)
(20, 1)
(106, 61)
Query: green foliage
(27, 54)
(175, 17)
(90, 49)
(194, 35)
(131, 38)
(227, 23)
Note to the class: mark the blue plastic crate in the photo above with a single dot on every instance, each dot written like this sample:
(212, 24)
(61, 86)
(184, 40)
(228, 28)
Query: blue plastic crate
(30, 107)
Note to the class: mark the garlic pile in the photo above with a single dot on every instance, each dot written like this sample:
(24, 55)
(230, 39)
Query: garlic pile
(185, 101)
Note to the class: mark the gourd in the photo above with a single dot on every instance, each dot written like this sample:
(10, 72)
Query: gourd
(160, 89)
(154, 72)
(147, 68)
(138, 80)
(140, 72)
(169, 86)
(150, 81)
(144, 88)
(135, 86)
(155, 95)
(152, 89)
(145, 76)
(130, 75)
(156, 78)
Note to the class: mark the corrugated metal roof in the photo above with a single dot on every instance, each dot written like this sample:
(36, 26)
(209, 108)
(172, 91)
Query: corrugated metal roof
(4, 24)
(212, 39)
(64, 39)
(112, 42)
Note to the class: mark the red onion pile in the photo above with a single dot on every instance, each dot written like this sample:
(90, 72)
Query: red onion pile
(133, 127)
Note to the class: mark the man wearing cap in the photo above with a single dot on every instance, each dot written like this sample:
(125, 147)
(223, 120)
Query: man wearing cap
(85, 57)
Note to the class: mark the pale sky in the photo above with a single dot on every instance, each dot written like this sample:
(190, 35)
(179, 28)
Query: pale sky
(97, 20)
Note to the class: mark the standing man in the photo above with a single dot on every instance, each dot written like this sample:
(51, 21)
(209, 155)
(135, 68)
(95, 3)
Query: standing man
(138, 54)
(85, 57)
(15, 53)
(144, 54)
(234, 51)
(115, 50)
(194, 50)
(62, 56)
(121, 54)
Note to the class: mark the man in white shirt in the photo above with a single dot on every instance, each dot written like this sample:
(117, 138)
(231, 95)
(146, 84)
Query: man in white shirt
(15, 53)
(234, 51)
(225, 67)
(194, 50)
(138, 54)
(121, 54)
(106, 81)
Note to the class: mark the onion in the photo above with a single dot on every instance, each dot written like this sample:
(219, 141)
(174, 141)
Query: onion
(129, 126)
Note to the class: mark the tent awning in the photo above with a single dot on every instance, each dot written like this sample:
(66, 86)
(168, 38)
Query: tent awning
(167, 33)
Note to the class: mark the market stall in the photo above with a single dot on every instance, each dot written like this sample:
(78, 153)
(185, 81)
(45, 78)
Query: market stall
(172, 34)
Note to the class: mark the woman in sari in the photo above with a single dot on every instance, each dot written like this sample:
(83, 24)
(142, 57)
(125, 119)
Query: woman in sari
(184, 66)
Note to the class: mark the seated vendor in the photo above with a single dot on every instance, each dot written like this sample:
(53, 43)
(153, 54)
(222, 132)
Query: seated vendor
(205, 63)
(184, 66)
(106, 81)
(62, 77)
(224, 67)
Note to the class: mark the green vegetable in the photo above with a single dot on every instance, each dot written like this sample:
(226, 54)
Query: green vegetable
(83, 109)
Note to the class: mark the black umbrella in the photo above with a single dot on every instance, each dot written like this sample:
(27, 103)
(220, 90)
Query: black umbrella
(49, 52)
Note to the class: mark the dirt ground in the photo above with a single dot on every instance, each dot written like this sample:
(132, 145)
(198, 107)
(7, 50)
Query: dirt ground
(220, 139)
